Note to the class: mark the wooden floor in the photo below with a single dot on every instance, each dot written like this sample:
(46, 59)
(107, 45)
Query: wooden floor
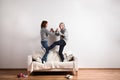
(83, 74)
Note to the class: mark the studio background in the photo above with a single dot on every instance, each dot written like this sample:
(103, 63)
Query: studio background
(93, 27)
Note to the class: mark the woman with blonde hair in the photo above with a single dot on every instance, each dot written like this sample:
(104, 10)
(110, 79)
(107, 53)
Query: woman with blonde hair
(63, 39)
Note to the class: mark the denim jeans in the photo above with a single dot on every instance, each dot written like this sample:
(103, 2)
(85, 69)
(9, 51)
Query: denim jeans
(45, 45)
(62, 44)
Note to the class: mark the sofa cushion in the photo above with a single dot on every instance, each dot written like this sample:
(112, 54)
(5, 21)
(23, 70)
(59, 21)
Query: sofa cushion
(69, 56)
(53, 56)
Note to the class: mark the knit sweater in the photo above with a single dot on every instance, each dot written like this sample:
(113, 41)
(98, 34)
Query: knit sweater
(44, 34)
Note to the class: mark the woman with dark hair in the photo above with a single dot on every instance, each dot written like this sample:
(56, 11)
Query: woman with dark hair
(44, 38)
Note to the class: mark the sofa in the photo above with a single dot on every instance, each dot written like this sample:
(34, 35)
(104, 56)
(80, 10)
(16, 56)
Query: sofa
(53, 62)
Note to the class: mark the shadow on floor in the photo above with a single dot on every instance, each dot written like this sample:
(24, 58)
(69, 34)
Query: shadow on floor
(50, 73)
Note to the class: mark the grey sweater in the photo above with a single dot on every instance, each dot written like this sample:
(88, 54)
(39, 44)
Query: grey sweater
(44, 34)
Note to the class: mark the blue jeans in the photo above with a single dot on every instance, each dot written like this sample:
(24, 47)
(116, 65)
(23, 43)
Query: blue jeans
(62, 44)
(45, 45)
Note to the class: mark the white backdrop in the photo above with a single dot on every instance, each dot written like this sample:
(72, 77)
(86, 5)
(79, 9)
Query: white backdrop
(93, 26)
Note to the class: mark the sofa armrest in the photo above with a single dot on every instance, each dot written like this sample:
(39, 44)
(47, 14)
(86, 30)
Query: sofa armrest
(29, 62)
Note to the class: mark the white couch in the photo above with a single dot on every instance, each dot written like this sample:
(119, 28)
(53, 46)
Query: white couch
(53, 62)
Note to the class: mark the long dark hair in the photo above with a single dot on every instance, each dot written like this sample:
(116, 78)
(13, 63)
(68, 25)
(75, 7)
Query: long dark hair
(43, 24)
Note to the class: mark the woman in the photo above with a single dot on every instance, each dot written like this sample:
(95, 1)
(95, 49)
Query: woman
(63, 39)
(44, 39)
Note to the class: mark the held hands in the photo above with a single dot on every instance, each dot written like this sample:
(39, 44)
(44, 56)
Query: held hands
(52, 30)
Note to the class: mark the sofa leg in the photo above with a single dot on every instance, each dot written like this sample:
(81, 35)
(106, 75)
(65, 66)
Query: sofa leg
(75, 73)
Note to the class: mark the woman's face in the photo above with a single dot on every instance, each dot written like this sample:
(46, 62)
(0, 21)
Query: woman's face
(46, 24)
(61, 26)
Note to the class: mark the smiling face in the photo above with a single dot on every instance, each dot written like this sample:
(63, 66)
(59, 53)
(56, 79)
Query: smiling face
(61, 26)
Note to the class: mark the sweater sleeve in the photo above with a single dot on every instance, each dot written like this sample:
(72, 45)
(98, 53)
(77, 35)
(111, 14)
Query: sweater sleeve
(50, 33)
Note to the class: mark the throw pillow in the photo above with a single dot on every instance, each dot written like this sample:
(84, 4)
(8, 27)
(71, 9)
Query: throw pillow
(69, 56)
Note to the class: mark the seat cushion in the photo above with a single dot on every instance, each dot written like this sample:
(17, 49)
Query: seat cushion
(52, 65)
(53, 56)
